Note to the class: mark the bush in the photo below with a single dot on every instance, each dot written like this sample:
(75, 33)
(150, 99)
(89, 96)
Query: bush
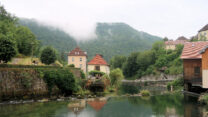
(71, 65)
(203, 99)
(48, 55)
(95, 72)
(145, 93)
(116, 77)
(63, 79)
(82, 74)
(177, 84)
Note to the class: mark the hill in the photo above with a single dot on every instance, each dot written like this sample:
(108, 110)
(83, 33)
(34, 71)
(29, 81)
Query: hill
(51, 36)
(117, 39)
(112, 39)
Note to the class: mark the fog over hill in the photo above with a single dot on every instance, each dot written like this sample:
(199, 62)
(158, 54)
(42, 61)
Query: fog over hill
(111, 39)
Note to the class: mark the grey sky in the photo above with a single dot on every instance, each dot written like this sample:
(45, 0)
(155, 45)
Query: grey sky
(171, 18)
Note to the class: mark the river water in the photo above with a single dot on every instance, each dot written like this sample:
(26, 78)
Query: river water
(166, 105)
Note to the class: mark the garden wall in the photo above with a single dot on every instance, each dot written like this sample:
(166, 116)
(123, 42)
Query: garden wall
(25, 83)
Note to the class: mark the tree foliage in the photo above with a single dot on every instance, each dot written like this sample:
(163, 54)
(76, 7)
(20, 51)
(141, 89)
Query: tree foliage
(150, 62)
(117, 62)
(7, 49)
(15, 35)
(48, 55)
(116, 77)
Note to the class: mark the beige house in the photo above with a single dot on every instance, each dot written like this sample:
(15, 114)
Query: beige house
(203, 33)
(78, 58)
(171, 45)
(99, 64)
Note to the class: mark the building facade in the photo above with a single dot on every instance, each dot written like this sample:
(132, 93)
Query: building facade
(171, 45)
(195, 64)
(98, 64)
(203, 33)
(78, 58)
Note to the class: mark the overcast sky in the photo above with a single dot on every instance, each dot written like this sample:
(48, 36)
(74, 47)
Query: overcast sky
(171, 18)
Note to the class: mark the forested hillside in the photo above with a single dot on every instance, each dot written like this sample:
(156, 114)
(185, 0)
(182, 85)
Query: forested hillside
(49, 35)
(112, 39)
(117, 39)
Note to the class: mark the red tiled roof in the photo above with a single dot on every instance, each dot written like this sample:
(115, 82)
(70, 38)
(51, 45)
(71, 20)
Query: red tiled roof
(97, 60)
(77, 52)
(175, 42)
(97, 105)
(192, 50)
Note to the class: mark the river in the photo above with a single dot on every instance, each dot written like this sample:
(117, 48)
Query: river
(165, 105)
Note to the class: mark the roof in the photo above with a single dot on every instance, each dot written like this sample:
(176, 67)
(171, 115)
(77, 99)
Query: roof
(204, 28)
(176, 42)
(182, 38)
(192, 50)
(77, 52)
(97, 60)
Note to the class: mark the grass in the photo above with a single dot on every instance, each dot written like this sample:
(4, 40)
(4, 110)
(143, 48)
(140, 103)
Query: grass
(145, 93)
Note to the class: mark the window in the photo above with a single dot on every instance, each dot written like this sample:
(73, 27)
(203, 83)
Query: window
(80, 66)
(196, 71)
(97, 68)
(72, 59)
(80, 59)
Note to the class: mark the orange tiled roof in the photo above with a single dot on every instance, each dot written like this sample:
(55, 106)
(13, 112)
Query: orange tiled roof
(97, 105)
(176, 42)
(192, 50)
(77, 52)
(97, 60)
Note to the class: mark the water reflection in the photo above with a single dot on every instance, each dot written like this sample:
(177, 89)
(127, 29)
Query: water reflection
(167, 105)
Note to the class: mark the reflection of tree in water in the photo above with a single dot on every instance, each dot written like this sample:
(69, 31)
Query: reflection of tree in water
(192, 107)
(161, 104)
(31, 109)
(120, 107)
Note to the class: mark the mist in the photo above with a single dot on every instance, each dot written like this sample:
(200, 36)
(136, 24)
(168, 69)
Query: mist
(78, 18)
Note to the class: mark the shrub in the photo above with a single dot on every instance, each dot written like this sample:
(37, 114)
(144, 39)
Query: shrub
(95, 72)
(116, 77)
(48, 55)
(203, 99)
(71, 65)
(145, 93)
(63, 79)
(177, 84)
(82, 74)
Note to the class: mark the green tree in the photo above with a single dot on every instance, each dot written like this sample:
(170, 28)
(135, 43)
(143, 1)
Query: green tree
(116, 77)
(117, 62)
(26, 41)
(7, 48)
(130, 67)
(48, 55)
(165, 39)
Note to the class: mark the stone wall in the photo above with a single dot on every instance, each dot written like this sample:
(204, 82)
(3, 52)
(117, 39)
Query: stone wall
(25, 83)
(21, 83)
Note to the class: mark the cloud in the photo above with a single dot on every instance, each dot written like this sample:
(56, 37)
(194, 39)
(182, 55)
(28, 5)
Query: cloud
(79, 17)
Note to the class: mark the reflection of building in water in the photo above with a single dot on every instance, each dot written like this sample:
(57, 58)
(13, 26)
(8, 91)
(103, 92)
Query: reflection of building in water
(97, 104)
(77, 106)
(171, 112)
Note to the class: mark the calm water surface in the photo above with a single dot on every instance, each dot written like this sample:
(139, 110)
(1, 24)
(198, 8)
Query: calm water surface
(166, 105)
